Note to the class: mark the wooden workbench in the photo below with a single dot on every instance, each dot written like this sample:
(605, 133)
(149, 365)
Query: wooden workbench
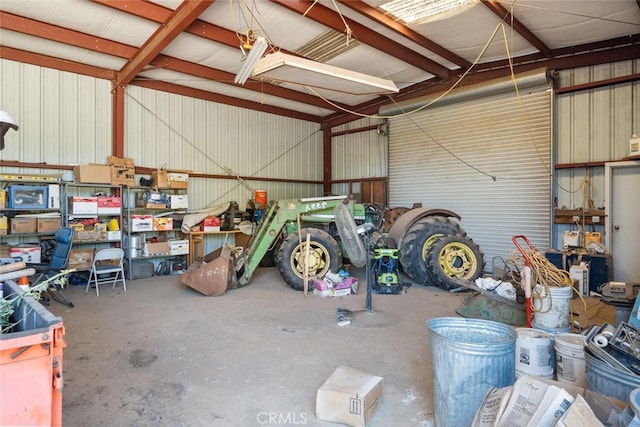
(196, 242)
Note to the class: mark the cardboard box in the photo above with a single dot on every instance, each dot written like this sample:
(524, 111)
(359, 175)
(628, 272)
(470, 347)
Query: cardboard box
(47, 225)
(178, 247)
(123, 171)
(97, 232)
(151, 200)
(349, 396)
(178, 180)
(81, 258)
(114, 235)
(178, 201)
(163, 224)
(160, 178)
(327, 288)
(28, 197)
(163, 178)
(28, 254)
(83, 205)
(241, 239)
(210, 223)
(23, 225)
(92, 174)
(141, 223)
(159, 248)
(108, 205)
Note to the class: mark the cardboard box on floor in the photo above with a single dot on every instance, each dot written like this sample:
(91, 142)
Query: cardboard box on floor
(349, 396)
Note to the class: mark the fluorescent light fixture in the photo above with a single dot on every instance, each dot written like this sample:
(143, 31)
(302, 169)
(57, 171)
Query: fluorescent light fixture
(249, 61)
(419, 11)
(293, 69)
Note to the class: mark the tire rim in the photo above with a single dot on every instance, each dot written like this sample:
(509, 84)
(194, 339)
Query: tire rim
(428, 243)
(319, 260)
(457, 260)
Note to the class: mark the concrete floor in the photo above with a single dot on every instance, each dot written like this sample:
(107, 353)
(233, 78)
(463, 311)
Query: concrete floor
(162, 354)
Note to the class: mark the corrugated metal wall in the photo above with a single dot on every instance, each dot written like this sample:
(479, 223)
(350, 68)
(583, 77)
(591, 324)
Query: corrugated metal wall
(487, 159)
(64, 118)
(592, 125)
(177, 132)
(359, 154)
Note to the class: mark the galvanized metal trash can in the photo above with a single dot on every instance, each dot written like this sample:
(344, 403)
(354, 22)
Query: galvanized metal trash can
(611, 381)
(468, 357)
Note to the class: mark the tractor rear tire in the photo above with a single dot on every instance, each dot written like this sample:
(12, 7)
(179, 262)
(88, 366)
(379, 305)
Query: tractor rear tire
(418, 239)
(453, 258)
(324, 256)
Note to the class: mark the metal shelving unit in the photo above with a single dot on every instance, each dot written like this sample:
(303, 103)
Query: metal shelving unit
(135, 240)
(40, 215)
(84, 241)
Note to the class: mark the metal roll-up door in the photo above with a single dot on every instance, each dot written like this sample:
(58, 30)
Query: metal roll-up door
(488, 159)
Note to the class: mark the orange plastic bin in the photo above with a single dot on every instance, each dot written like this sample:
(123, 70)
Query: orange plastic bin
(31, 364)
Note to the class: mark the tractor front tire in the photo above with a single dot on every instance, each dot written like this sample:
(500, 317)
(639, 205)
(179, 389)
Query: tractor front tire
(324, 256)
(418, 239)
(453, 258)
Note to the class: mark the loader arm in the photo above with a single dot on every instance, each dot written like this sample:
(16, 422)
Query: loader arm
(281, 216)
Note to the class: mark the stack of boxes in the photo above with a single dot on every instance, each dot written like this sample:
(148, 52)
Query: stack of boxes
(30, 197)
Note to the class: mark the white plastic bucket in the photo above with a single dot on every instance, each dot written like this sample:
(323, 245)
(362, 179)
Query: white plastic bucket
(570, 360)
(534, 353)
(551, 308)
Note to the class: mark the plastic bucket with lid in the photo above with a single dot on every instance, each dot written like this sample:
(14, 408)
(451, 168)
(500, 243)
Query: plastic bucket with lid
(534, 353)
(570, 359)
(468, 357)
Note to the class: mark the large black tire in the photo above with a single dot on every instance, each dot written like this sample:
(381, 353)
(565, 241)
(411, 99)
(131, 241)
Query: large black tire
(418, 239)
(452, 258)
(325, 255)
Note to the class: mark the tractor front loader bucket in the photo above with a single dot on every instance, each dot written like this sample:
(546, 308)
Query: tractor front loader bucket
(212, 278)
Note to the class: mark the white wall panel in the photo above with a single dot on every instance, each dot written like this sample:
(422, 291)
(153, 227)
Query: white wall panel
(66, 118)
(359, 154)
(61, 115)
(592, 126)
(166, 130)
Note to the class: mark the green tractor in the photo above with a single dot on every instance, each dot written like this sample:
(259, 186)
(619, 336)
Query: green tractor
(286, 225)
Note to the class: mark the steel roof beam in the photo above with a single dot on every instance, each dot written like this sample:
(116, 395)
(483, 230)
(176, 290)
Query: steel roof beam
(330, 19)
(224, 99)
(180, 19)
(55, 63)
(121, 50)
(375, 15)
(513, 22)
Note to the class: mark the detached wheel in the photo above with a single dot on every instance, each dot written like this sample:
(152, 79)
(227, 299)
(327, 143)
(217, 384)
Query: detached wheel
(416, 242)
(452, 258)
(324, 255)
